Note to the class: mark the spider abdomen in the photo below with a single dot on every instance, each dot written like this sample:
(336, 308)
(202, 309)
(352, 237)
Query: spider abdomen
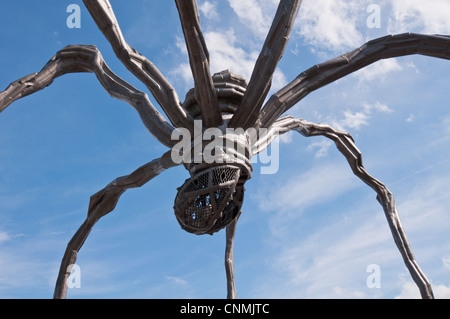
(210, 199)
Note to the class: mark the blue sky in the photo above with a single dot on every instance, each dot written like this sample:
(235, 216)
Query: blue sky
(308, 231)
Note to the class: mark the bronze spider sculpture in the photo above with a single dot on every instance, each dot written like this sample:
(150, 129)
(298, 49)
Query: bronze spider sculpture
(211, 199)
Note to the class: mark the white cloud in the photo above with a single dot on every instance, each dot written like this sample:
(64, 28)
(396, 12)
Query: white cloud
(352, 120)
(420, 16)
(209, 10)
(410, 118)
(184, 73)
(441, 291)
(4, 236)
(357, 119)
(181, 44)
(331, 25)
(316, 185)
(378, 70)
(176, 281)
(257, 15)
(377, 106)
(410, 291)
(446, 261)
(226, 53)
(321, 147)
(279, 80)
(287, 137)
(411, 65)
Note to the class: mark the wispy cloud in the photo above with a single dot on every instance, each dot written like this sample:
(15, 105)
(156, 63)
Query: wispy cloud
(227, 52)
(4, 236)
(321, 147)
(209, 10)
(377, 106)
(317, 185)
(419, 16)
(257, 15)
(331, 261)
(410, 291)
(25, 264)
(410, 118)
(355, 120)
(378, 71)
(331, 25)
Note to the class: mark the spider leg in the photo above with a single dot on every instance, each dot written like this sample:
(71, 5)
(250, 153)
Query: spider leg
(437, 46)
(271, 53)
(205, 94)
(100, 204)
(229, 268)
(103, 15)
(87, 58)
(347, 147)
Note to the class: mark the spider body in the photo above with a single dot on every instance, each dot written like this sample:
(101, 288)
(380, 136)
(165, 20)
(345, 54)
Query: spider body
(226, 107)
(213, 196)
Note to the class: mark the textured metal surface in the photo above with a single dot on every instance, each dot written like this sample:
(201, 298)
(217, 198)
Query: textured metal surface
(205, 203)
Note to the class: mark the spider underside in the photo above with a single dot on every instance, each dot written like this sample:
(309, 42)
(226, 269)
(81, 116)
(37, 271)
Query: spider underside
(211, 199)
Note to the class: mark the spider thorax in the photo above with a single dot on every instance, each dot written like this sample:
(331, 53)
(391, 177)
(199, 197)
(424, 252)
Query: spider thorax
(212, 197)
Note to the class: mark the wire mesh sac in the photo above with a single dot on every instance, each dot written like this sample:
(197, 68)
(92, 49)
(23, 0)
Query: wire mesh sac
(209, 200)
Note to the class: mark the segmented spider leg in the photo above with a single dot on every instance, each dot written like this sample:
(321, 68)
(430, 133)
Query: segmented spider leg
(437, 46)
(100, 204)
(229, 259)
(103, 15)
(205, 94)
(87, 58)
(271, 53)
(347, 147)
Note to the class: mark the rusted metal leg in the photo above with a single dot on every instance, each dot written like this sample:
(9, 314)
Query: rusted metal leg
(229, 264)
(102, 203)
(347, 147)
